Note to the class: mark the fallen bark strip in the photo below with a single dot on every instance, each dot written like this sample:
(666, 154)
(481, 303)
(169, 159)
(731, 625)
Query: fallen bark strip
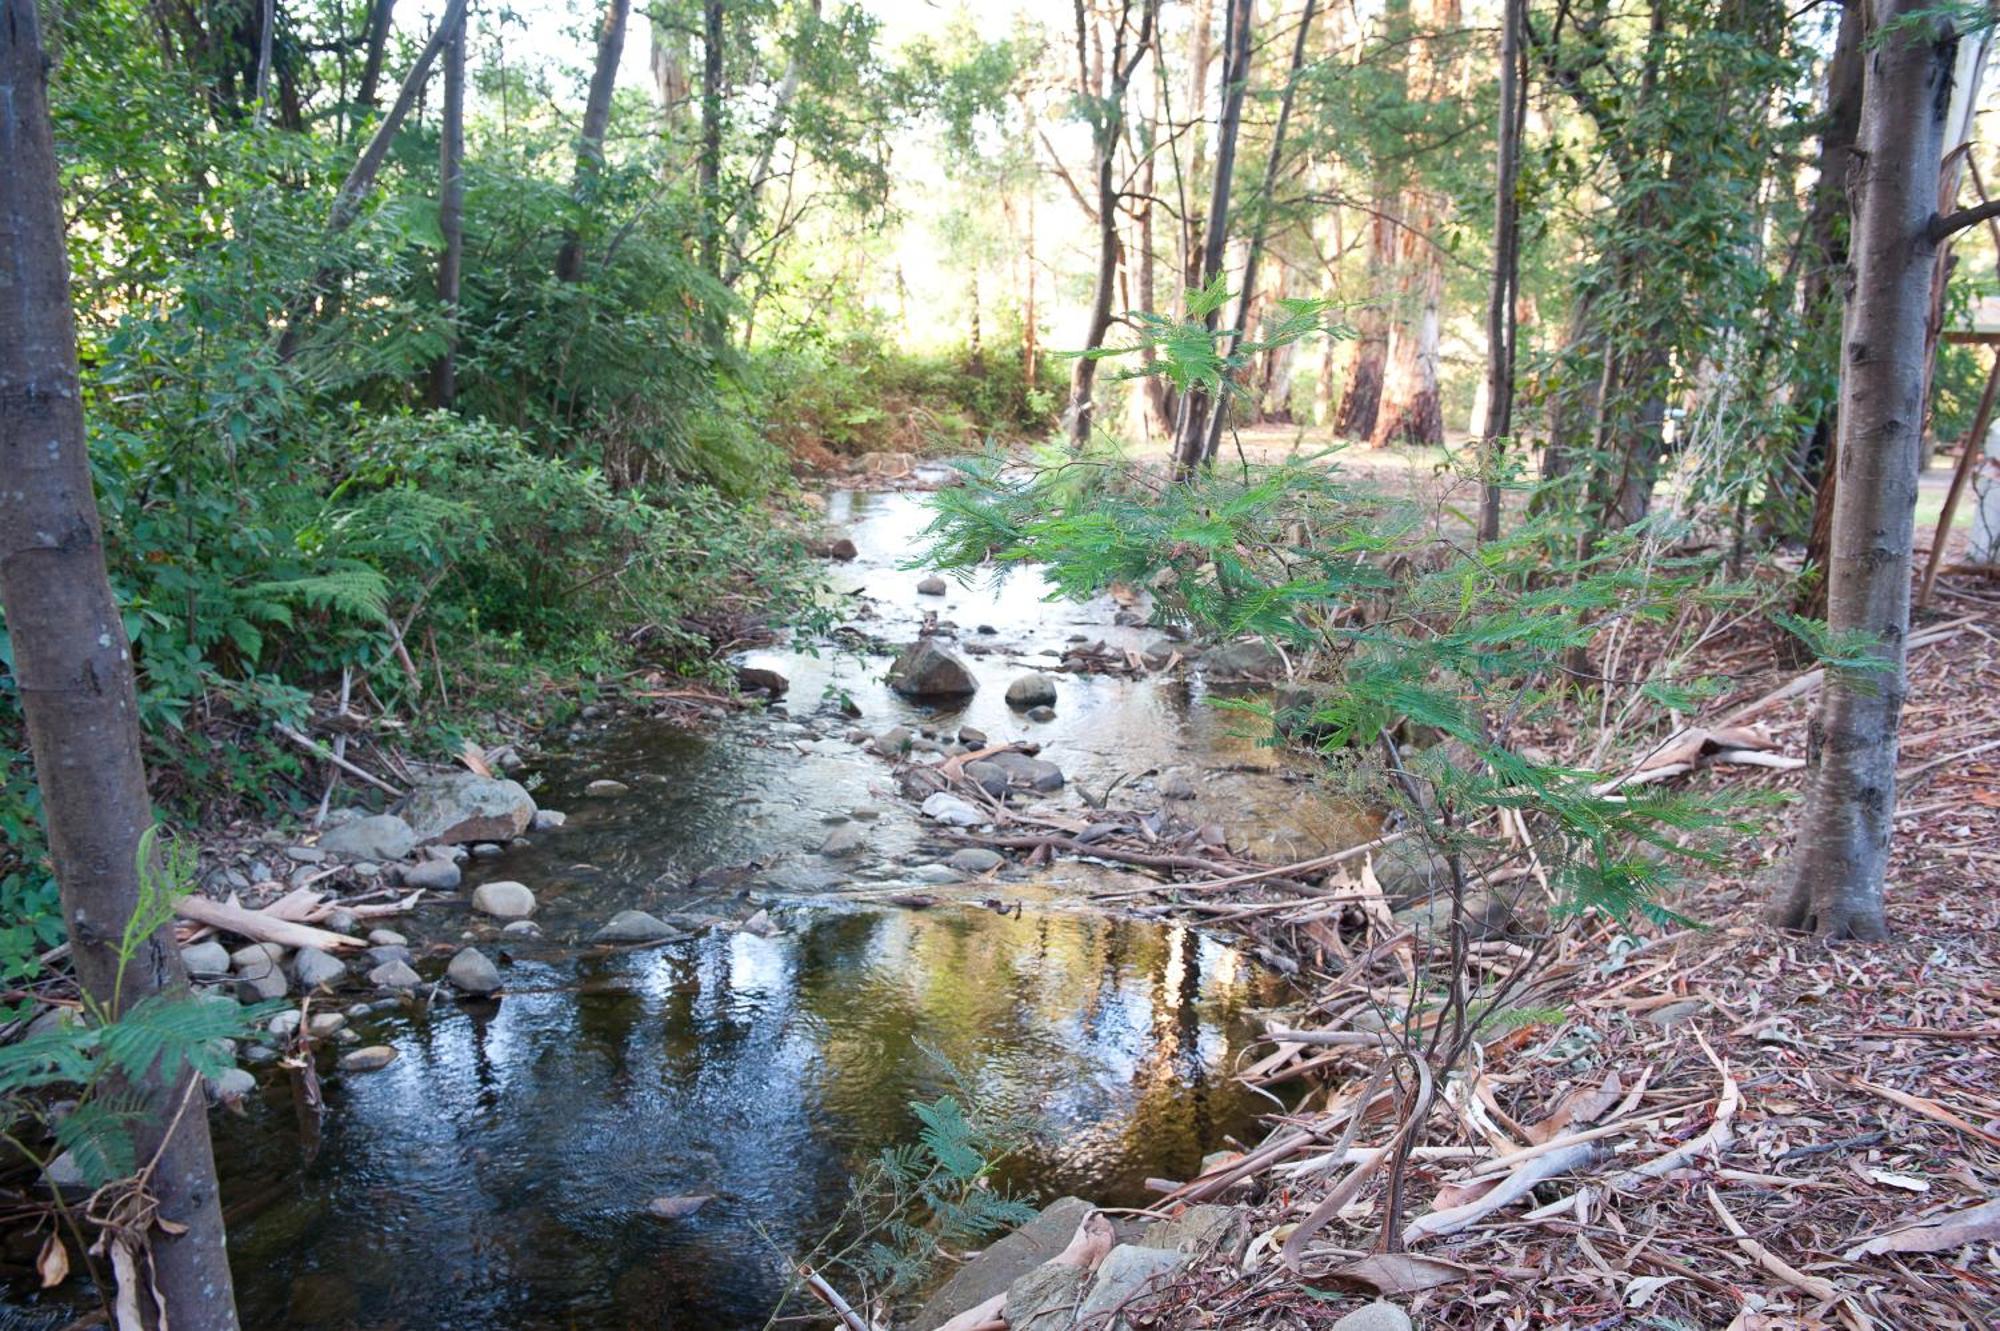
(1811, 680)
(260, 927)
(1509, 1190)
(324, 754)
(1818, 1288)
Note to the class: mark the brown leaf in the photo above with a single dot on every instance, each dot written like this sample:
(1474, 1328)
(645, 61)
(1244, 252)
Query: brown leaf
(678, 1208)
(474, 759)
(53, 1264)
(1391, 1273)
(1979, 1224)
(1580, 1107)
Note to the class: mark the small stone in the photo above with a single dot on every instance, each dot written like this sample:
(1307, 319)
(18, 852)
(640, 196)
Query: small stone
(394, 975)
(256, 958)
(262, 986)
(932, 586)
(523, 929)
(547, 820)
(1176, 784)
(231, 1084)
(866, 813)
(285, 1025)
(1676, 1014)
(324, 1024)
(64, 1173)
(488, 850)
(677, 1208)
(952, 811)
(1036, 690)
(760, 924)
(305, 855)
(257, 1055)
(387, 938)
(1377, 1316)
(842, 841)
(314, 968)
(893, 742)
(433, 876)
(604, 788)
(473, 972)
(205, 959)
(372, 1059)
(632, 926)
(977, 859)
(341, 920)
(504, 900)
(935, 875)
(1043, 714)
(383, 953)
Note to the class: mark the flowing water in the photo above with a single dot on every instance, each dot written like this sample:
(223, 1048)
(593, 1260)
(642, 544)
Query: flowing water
(497, 1174)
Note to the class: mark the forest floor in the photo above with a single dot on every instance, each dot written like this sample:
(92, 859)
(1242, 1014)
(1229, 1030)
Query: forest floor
(1726, 1126)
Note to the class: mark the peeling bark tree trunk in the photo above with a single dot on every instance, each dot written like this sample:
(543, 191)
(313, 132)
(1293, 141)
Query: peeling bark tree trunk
(73, 670)
(1843, 844)
(451, 214)
(1361, 397)
(667, 57)
(596, 119)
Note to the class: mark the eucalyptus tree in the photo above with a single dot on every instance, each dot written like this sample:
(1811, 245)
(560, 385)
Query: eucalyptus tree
(1842, 855)
(596, 120)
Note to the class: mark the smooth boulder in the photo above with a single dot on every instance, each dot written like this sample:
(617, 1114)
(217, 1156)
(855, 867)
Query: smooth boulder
(503, 900)
(381, 836)
(314, 968)
(462, 807)
(1255, 661)
(394, 975)
(634, 926)
(926, 670)
(473, 972)
(1036, 690)
(433, 876)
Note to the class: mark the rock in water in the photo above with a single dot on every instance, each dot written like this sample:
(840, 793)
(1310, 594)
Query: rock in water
(931, 586)
(473, 973)
(678, 1208)
(464, 807)
(952, 811)
(1256, 661)
(926, 670)
(433, 875)
(842, 841)
(1176, 784)
(1023, 770)
(547, 820)
(231, 1084)
(606, 788)
(315, 968)
(633, 926)
(758, 679)
(976, 859)
(1043, 713)
(835, 547)
(1036, 690)
(372, 1059)
(394, 975)
(504, 900)
(382, 836)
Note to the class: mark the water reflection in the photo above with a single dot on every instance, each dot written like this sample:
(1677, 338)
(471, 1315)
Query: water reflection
(496, 1174)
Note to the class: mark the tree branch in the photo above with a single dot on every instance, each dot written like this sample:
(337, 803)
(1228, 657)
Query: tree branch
(1944, 228)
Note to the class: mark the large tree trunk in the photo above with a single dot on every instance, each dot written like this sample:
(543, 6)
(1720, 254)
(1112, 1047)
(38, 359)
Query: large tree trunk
(380, 16)
(1500, 320)
(1843, 842)
(596, 119)
(73, 675)
(667, 57)
(1198, 404)
(451, 214)
(1361, 397)
(1201, 54)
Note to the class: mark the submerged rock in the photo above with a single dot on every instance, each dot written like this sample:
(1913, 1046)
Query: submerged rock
(372, 1059)
(605, 788)
(843, 841)
(1042, 714)
(394, 975)
(632, 926)
(473, 972)
(977, 859)
(926, 670)
(464, 806)
(1176, 784)
(504, 900)
(381, 836)
(1036, 690)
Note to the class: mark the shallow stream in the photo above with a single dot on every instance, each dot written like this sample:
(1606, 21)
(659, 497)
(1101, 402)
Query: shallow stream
(497, 1174)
